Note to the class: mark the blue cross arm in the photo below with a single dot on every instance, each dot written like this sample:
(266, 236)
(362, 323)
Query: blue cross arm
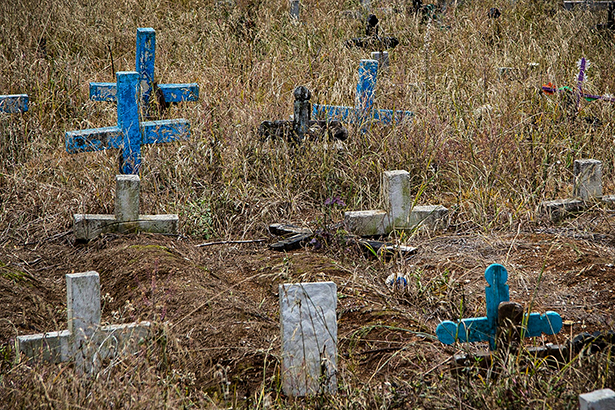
(334, 112)
(549, 323)
(155, 132)
(13, 104)
(388, 116)
(96, 139)
(103, 91)
(173, 93)
(468, 330)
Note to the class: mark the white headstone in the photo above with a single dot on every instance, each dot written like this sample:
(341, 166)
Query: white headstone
(597, 400)
(308, 325)
(587, 179)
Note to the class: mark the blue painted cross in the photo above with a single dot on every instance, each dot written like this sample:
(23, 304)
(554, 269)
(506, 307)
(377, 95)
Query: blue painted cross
(483, 329)
(129, 134)
(12, 104)
(145, 58)
(362, 111)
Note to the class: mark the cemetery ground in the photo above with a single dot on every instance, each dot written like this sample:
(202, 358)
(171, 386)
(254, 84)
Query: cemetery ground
(484, 141)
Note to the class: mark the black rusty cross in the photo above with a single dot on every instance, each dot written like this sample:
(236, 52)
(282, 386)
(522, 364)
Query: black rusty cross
(302, 125)
(372, 39)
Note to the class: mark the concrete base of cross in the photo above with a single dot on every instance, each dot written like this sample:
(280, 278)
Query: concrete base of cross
(399, 213)
(127, 218)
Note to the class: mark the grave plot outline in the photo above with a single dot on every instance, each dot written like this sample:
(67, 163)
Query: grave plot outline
(130, 133)
(85, 341)
(483, 329)
(363, 110)
(145, 56)
(14, 103)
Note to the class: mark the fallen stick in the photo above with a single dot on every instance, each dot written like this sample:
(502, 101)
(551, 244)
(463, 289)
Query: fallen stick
(228, 242)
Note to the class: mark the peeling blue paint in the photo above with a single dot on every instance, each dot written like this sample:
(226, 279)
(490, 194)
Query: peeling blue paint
(363, 110)
(13, 104)
(130, 133)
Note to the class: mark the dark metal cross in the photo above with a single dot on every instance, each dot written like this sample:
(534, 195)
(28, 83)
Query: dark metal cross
(302, 125)
(372, 39)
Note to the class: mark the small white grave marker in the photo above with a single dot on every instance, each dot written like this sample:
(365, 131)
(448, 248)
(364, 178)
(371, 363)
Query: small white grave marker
(85, 341)
(587, 187)
(597, 400)
(308, 326)
(126, 218)
(295, 8)
(399, 212)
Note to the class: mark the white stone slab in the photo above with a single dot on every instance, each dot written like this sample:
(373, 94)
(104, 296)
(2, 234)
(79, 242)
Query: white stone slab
(427, 216)
(127, 197)
(597, 400)
(366, 223)
(397, 197)
(308, 325)
(587, 179)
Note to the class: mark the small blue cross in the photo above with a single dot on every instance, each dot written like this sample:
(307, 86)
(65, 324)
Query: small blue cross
(362, 111)
(483, 329)
(145, 58)
(129, 134)
(12, 104)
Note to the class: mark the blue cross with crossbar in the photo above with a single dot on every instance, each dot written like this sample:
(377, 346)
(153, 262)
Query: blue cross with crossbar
(483, 329)
(363, 110)
(145, 59)
(15, 103)
(130, 133)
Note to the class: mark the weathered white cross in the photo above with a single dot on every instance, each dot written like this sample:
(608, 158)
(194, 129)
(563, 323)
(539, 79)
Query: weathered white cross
(86, 341)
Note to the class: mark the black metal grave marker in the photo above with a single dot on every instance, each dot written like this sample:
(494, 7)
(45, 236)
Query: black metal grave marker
(372, 39)
(302, 125)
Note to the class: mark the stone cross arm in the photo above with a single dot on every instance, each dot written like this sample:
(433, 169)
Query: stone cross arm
(12, 104)
(171, 93)
(97, 139)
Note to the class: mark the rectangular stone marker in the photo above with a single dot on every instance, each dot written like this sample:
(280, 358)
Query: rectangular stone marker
(13, 104)
(130, 133)
(127, 218)
(597, 400)
(308, 325)
(362, 111)
(399, 212)
(85, 341)
(145, 59)
(382, 57)
(295, 8)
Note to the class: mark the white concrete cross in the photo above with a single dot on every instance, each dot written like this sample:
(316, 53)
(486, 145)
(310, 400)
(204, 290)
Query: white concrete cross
(308, 325)
(127, 218)
(597, 400)
(587, 187)
(85, 341)
(399, 211)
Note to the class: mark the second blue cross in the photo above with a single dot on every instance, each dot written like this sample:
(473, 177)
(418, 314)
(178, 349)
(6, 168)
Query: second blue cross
(363, 110)
(145, 59)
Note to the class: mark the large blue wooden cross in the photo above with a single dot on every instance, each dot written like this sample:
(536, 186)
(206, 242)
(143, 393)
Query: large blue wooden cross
(145, 58)
(130, 133)
(12, 104)
(483, 329)
(362, 111)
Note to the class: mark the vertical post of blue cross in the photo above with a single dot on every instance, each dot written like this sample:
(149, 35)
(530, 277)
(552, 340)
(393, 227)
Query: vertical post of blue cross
(366, 87)
(128, 120)
(146, 57)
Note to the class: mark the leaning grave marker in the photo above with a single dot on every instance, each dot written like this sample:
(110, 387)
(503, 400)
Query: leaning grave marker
(126, 218)
(400, 211)
(363, 110)
(14, 103)
(130, 133)
(308, 327)
(145, 60)
(85, 341)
